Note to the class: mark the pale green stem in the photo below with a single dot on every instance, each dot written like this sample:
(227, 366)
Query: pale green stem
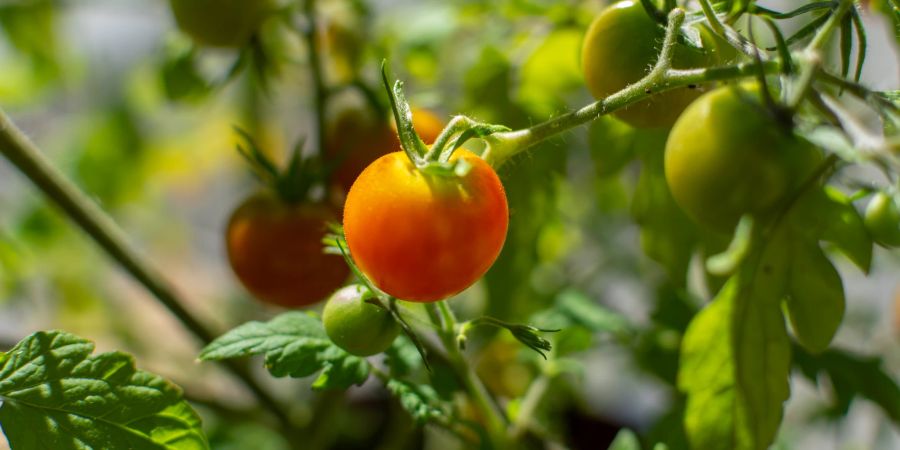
(502, 146)
(443, 317)
(530, 402)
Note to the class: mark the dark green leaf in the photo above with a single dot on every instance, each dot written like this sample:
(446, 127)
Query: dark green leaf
(402, 357)
(295, 345)
(57, 396)
(852, 375)
(829, 215)
(420, 401)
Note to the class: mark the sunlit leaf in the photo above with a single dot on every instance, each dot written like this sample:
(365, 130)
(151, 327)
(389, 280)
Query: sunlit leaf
(57, 396)
(295, 345)
(815, 300)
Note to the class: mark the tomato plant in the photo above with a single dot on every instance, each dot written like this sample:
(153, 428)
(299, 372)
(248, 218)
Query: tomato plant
(356, 326)
(275, 250)
(397, 219)
(727, 157)
(217, 23)
(477, 263)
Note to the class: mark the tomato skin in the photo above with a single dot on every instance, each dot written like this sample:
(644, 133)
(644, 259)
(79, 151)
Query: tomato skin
(360, 328)
(275, 250)
(355, 141)
(425, 237)
(882, 219)
(221, 23)
(620, 47)
(726, 157)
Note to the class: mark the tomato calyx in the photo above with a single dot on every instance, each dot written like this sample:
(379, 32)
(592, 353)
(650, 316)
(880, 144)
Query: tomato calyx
(435, 160)
(292, 183)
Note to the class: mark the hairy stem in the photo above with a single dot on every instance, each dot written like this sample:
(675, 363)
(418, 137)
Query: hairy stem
(502, 146)
(19, 150)
(495, 420)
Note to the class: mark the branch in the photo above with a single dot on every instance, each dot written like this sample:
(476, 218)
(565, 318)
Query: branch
(20, 151)
(502, 146)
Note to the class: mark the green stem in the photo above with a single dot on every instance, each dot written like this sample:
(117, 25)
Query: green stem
(20, 151)
(530, 402)
(443, 317)
(502, 146)
(320, 93)
(813, 54)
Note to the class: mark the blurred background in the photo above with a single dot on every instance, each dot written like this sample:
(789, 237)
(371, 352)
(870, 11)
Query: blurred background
(142, 121)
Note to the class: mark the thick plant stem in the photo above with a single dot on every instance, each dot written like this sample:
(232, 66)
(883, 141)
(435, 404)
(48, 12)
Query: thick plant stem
(19, 150)
(496, 421)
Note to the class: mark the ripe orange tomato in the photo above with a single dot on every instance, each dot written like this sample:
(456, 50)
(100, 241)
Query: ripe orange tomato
(422, 237)
(355, 141)
(621, 46)
(275, 249)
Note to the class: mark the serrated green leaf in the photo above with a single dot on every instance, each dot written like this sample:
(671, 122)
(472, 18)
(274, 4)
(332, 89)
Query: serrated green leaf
(625, 440)
(402, 357)
(57, 396)
(762, 348)
(294, 345)
(706, 376)
(420, 401)
(735, 358)
(815, 300)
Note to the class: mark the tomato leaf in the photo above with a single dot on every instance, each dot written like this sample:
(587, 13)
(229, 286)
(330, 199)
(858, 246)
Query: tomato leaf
(735, 358)
(762, 348)
(829, 215)
(850, 376)
(815, 300)
(419, 400)
(294, 345)
(57, 396)
(402, 357)
(706, 375)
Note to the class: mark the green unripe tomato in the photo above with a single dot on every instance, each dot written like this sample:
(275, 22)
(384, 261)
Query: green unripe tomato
(621, 46)
(726, 157)
(882, 219)
(221, 23)
(360, 328)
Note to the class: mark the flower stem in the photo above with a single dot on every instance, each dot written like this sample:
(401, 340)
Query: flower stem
(496, 421)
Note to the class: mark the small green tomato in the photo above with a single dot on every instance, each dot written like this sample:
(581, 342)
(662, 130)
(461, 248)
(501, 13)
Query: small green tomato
(360, 328)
